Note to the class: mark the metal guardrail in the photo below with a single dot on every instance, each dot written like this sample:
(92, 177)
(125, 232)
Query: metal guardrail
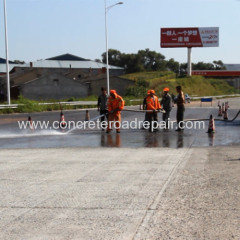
(4, 106)
(75, 103)
(9, 106)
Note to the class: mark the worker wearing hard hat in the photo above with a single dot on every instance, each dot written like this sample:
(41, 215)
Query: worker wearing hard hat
(115, 106)
(154, 105)
(166, 104)
(145, 107)
(180, 108)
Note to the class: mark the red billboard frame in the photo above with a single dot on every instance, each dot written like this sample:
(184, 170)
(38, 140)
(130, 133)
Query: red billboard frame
(189, 37)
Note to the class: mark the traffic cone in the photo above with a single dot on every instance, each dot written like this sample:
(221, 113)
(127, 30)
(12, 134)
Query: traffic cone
(223, 108)
(211, 127)
(30, 123)
(211, 138)
(62, 123)
(219, 110)
(226, 106)
(225, 116)
(87, 116)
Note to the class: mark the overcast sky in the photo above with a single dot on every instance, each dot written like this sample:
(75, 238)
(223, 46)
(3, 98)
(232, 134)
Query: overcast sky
(39, 29)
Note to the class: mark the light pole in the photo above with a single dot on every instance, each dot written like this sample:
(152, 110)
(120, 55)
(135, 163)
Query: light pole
(6, 47)
(106, 36)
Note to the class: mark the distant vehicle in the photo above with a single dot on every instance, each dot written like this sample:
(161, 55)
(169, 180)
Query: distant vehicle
(187, 99)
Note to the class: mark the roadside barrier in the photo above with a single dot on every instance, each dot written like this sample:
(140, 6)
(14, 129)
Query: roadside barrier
(206, 100)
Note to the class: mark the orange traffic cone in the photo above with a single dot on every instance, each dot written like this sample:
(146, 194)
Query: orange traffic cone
(219, 110)
(87, 116)
(226, 106)
(62, 123)
(30, 123)
(211, 127)
(225, 116)
(223, 109)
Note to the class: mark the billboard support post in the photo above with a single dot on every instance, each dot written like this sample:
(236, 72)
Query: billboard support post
(189, 62)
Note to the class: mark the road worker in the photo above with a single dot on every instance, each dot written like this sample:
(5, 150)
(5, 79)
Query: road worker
(154, 105)
(145, 107)
(102, 104)
(145, 100)
(180, 108)
(166, 104)
(115, 106)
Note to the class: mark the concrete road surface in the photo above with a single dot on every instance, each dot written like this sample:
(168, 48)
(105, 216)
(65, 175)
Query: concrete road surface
(87, 185)
(109, 193)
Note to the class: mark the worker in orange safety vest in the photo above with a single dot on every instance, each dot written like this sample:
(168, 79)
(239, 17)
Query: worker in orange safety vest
(115, 106)
(154, 105)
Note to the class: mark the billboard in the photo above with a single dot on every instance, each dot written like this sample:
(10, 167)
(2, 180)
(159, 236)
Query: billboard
(189, 37)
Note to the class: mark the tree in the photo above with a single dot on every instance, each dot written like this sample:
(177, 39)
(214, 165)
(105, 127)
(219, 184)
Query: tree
(151, 60)
(114, 57)
(219, 65)
(97, 60)
(131, 63)
(172, 65)
(147, 60)
(19, 62)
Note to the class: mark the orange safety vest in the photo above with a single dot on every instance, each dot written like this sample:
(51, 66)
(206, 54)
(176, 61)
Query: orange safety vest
(114, 103)
(153, 103)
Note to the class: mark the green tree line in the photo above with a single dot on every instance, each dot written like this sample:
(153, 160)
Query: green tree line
(147, 60)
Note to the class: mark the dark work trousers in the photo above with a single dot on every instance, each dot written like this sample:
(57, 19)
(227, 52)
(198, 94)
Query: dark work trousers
(165, 118)
(146, 118)
(180, 115)
(103, 117)
(150, 118)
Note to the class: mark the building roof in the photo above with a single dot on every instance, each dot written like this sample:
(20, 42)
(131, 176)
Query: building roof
(232, 67)
(69, 64)
(61, 61)
(11, 66)
(3, 61)
(67, 57)
(3, 65)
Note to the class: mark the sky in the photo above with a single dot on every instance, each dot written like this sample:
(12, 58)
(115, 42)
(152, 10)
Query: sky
(40, 29)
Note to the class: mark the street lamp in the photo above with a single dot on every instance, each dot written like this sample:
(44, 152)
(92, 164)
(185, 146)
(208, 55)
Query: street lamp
(106, 35)
(6, 47)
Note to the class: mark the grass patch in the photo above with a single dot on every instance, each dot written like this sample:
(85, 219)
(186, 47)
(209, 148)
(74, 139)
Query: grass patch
(29, 106)
(195, 85)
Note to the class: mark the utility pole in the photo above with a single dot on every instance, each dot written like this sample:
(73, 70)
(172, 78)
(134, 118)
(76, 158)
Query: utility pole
(6, 48)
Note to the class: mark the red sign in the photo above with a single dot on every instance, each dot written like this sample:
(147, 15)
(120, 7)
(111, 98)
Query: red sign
(189, 37)
(216, 73)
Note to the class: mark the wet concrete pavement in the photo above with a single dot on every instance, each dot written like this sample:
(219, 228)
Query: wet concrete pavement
(227, 133)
